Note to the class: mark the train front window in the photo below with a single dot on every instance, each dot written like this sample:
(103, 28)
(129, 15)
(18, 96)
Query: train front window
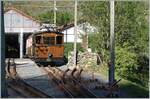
(38, 39)
(59, 40)
(49, 40)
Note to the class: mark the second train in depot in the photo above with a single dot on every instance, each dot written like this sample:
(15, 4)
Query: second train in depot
(46, 47)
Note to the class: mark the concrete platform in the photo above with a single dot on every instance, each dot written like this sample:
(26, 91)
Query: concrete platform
(36, 77)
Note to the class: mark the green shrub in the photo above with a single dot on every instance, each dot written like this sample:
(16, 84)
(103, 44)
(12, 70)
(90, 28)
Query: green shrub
(95, 43)
(131, 66)
(143, 69)
(126, 62)
(68, 47)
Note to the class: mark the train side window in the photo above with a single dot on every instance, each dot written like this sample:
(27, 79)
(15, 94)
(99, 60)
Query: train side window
(52, 41)
(58, 39)
(49, 40)
(38, 39)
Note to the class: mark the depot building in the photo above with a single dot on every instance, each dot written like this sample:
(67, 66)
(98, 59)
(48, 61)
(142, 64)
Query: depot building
(18, 26)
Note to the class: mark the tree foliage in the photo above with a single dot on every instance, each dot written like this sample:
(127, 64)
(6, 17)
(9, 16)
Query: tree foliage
(46, 17)
(97, 14)
(131, 26)
(62, 18)
(131, 35)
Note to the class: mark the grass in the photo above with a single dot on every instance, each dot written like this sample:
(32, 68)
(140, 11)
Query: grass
(133, 90)
(128, 89)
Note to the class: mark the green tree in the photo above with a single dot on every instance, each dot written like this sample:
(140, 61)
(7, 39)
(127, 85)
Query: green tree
(97, 14)
(131, 26)
(46, 17)
(62, 18)
(131, 35)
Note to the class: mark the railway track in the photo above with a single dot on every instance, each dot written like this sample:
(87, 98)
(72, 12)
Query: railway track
(18, 85)
(58, 82)
(68, 82)
(25, 90)
(71, 86)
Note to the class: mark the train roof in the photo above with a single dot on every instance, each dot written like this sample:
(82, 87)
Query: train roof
(40, 32)
(48, 28)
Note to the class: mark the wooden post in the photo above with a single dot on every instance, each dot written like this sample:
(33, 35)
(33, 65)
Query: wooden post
(112, 44)
(75, 33)
(4, 93)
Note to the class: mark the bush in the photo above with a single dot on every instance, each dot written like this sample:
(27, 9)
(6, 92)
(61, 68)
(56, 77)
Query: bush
(126, 62)
(131, 66)
(95, 43)
(68, 47)
(143, 69)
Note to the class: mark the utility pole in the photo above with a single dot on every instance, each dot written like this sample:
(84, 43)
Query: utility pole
(112, 44)
(149, 34)
(75, 33)
(55, 12)
(4, 93)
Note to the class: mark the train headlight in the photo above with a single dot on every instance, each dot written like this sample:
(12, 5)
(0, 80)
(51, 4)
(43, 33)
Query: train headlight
(49, 57)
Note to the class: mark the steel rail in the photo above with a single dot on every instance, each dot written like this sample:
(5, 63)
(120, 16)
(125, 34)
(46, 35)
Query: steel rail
(81, 89)
(24, 89)
(85, 90)
(17, 83)
(61, 86)
(16, 90)
(76, 92)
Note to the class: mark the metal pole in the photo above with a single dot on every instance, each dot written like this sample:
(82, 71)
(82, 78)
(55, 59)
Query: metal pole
(112, 44)
(75, 33)
(55, 12)
(4, 93)
(66, 36)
